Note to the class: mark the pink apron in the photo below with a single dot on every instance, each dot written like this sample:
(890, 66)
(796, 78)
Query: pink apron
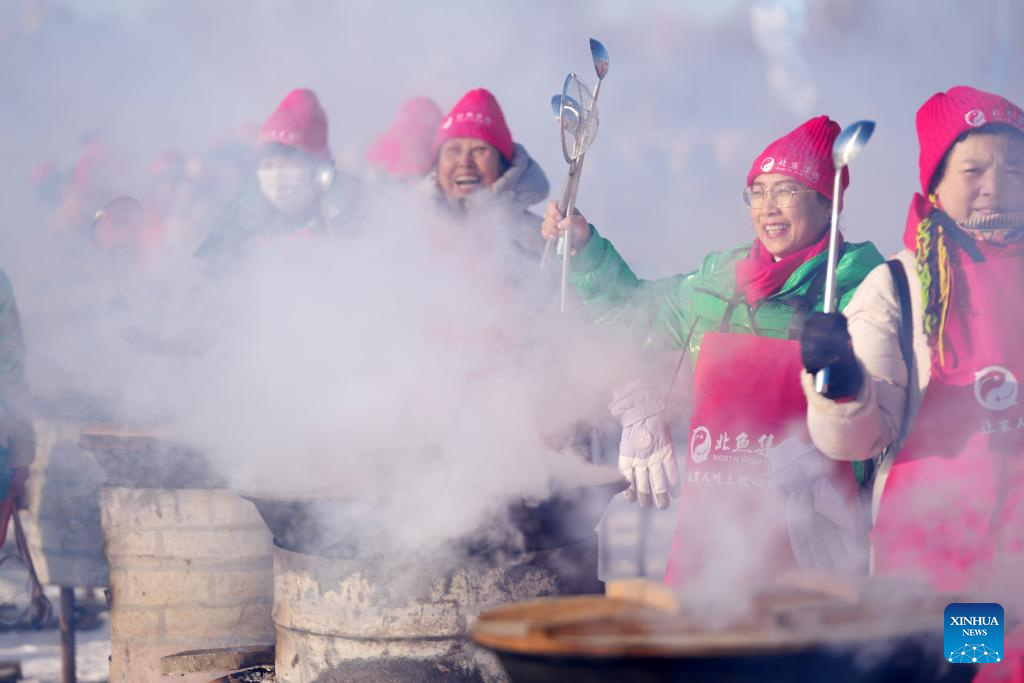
(952, 510)
(747, 399)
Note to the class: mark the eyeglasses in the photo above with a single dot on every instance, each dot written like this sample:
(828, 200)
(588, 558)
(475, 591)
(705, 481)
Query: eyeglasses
(782, 196)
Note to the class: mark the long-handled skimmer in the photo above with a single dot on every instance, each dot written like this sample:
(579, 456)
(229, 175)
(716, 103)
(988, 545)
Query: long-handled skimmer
(576, 109)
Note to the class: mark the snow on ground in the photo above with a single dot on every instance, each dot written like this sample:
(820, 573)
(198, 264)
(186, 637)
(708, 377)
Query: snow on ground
(39, 652)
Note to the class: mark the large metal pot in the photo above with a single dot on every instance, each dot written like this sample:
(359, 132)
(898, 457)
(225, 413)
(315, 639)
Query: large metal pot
(348, 607)
(345, 527)
(144, 459)
(809, 638)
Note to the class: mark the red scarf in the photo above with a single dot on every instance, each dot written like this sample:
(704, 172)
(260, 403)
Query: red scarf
(760, 275)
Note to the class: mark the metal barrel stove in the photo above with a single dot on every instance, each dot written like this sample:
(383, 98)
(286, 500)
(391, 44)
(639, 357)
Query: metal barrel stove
(346, 609)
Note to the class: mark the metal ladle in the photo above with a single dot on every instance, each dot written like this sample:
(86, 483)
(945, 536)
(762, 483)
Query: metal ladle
(845, 149)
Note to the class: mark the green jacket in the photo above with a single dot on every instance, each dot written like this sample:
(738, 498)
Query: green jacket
(676, 312)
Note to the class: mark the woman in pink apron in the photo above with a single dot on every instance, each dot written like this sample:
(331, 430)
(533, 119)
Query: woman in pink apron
(756, 498)
(944, 409)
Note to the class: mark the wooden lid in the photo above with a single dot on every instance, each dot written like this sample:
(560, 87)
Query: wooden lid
(790, 621)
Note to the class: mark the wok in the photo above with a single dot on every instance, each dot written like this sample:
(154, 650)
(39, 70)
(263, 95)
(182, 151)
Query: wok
(143, 459)
(595, 638)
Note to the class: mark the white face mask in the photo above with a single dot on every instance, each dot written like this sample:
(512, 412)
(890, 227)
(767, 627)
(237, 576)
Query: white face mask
(290, 190)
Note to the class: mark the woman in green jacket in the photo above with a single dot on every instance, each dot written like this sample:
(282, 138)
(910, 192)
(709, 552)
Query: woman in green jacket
(737, 319)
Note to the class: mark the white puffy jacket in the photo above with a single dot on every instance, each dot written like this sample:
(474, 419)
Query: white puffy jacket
(871, 422)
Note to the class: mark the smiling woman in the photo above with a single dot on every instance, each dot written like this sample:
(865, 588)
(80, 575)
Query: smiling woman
(466, 165)
(478, 165)
(737, 319)
(474, 145)
(787, 215)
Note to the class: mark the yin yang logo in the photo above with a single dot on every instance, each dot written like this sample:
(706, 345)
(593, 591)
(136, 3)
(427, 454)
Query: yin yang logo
(996, 388)
(700, 444)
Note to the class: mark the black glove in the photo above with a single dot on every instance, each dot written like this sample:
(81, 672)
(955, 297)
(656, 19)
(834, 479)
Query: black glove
(825, 343)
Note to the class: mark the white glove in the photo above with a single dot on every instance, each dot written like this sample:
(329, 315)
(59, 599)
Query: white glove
(647, 458)
(823, 531)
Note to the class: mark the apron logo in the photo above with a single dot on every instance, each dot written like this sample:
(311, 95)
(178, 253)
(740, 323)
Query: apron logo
(995, 388)
(768, 164)
(700, 444)
(975, 117)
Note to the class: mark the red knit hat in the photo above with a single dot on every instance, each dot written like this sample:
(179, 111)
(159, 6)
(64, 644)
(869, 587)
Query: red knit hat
(946, 115)
(477, 115)
(406, 148)
(805, 155)
(299, 122)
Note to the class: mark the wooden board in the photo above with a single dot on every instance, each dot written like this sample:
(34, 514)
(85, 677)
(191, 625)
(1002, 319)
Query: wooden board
(217, 659)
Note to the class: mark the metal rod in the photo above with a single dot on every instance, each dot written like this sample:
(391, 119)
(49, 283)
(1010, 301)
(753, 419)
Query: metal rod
(546, 256)
(641, 544)
(566, 206)
(602, 547)
(67, 635)
(567, 210)
(833, 239)
(570, 205)
(822, 376)
(42, 610)
(562, 202)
